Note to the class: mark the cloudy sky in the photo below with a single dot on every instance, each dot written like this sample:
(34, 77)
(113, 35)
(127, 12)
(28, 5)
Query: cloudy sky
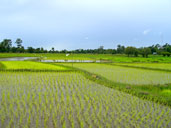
(73, 24)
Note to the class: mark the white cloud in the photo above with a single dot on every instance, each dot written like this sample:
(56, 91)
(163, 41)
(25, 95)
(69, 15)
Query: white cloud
(147, 31)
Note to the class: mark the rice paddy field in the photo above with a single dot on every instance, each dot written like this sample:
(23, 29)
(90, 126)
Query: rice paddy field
(126, 75)
(28, 65)
(150, 84)
(84, 95)
(155, 66)
(43, 99)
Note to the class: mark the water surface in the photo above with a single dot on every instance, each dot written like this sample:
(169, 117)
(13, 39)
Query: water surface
(18, 58)
(51, 61)
(74, 61)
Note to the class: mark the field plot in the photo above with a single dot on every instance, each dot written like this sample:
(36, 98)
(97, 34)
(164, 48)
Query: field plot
(14, 65)
(29, 99)
(161, 66)
(127, 75)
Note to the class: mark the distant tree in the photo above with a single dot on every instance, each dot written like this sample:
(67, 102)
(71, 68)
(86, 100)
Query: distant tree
(6, 45)
(2, 49)
(13, 49)
(53, 49)
(42, 50)
(37, 50)
(101, 47)
(167, 48)
(64, 51)
(45, 51)
(131, 51)
(166, 54)
(19, 43)
(120, 49)
(100, 50)
(145, 51)
(136, 53)
(153, 49)
(110, 51)
(30, 50)
(21, 49)
(157, 46)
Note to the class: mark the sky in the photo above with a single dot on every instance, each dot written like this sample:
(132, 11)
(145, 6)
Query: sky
(86, 24)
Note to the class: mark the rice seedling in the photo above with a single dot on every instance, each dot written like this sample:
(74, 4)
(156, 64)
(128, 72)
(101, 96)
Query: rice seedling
(127, 75)
(61, 99)
(29, 65)
(155, 66)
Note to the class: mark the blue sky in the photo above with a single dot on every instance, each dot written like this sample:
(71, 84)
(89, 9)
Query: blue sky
(74, 24)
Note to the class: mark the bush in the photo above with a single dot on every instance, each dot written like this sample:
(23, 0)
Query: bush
(166, 54)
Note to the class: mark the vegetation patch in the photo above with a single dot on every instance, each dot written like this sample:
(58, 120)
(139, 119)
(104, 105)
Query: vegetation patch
(2, 66)
(46, 99)
(149, 91)
(167, 92)
(30, 65)
(124, 75)
(150, 66)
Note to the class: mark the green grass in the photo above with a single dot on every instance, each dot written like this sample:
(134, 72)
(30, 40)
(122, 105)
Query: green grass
(151, 58)
(126, 75)
(154, 66)
(53, 100)
(1, 66)
(29, 65)
(166, 92)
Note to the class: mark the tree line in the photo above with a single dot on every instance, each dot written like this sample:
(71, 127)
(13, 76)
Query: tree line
(165, 50)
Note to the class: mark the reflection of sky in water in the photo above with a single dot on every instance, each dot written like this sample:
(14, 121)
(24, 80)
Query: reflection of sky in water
(37, 58)
(79, 61)
(17, 58)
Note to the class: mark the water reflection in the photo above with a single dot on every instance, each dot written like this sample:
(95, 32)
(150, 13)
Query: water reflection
(74, 61)
(18, 58)
(50, 61)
